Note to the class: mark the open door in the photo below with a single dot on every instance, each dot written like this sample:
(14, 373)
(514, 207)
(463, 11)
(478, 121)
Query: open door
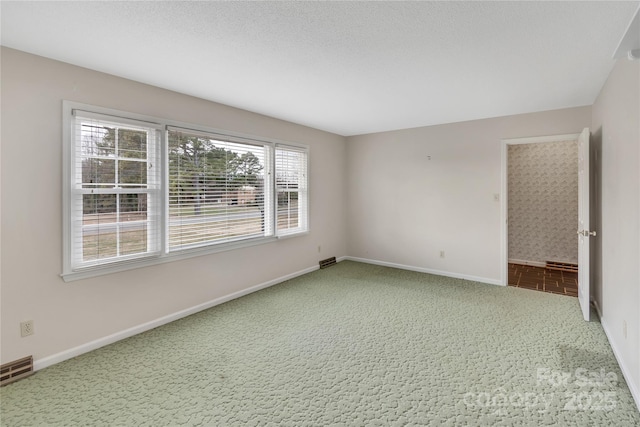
(584, 285)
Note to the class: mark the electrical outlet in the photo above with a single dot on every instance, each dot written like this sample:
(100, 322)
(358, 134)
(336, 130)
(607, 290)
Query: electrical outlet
(624, 329)
(26, 328)
(441, 254)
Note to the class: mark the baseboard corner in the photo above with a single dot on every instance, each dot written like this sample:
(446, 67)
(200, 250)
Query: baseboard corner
(486, 280)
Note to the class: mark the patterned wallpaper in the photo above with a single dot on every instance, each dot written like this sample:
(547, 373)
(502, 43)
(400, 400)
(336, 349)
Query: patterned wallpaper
(543, 201)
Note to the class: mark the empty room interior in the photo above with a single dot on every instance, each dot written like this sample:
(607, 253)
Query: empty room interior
(320, 213)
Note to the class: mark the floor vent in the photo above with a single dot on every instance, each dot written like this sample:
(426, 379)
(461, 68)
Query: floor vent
(13, 371)
(328, 262)
(562, 266)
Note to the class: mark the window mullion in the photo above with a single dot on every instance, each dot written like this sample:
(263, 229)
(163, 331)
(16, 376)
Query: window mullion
(270, 190)
(163, 229)
(116, 180)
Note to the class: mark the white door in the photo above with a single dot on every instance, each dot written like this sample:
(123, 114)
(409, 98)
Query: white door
(584, 233)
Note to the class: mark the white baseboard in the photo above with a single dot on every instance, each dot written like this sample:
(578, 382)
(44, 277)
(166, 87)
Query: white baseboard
(427, 270)
(525, 262)
(634, 387)
(597, 307)
(110, 339)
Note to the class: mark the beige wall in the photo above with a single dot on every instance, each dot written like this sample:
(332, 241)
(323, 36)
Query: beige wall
(616, 144)
(543, 201)
(404, 208)
(67, 315)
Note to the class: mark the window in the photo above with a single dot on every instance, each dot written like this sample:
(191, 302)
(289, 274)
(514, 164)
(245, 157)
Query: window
(141, 190)
(216, 190)
(114, 190)
(291, 185)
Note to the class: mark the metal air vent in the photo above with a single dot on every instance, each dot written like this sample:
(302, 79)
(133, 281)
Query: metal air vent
(13, 371)
(328, 262)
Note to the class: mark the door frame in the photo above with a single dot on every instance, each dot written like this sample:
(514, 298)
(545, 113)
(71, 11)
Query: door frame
(504, 204)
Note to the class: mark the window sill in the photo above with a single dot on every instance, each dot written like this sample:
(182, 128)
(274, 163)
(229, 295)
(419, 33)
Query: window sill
(89, 272)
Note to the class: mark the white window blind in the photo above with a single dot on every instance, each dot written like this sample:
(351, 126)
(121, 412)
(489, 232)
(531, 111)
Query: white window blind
(115, 190)
(217, 190)
(291, 186)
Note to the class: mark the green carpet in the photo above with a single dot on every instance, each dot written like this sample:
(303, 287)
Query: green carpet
(352, 345)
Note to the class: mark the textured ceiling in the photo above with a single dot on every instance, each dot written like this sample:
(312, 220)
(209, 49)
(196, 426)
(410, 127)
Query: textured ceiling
(344, 67)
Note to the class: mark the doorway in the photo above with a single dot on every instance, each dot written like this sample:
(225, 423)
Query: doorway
(540, 213)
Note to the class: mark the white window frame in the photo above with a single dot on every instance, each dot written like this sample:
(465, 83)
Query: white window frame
(303, 196)
(71, 272)
(77, 191)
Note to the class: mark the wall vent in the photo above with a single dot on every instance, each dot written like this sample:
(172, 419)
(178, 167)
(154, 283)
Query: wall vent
(328, 262)
(562, 266)
(13, 371)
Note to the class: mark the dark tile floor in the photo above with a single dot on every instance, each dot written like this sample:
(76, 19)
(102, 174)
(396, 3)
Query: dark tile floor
(543, 279)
